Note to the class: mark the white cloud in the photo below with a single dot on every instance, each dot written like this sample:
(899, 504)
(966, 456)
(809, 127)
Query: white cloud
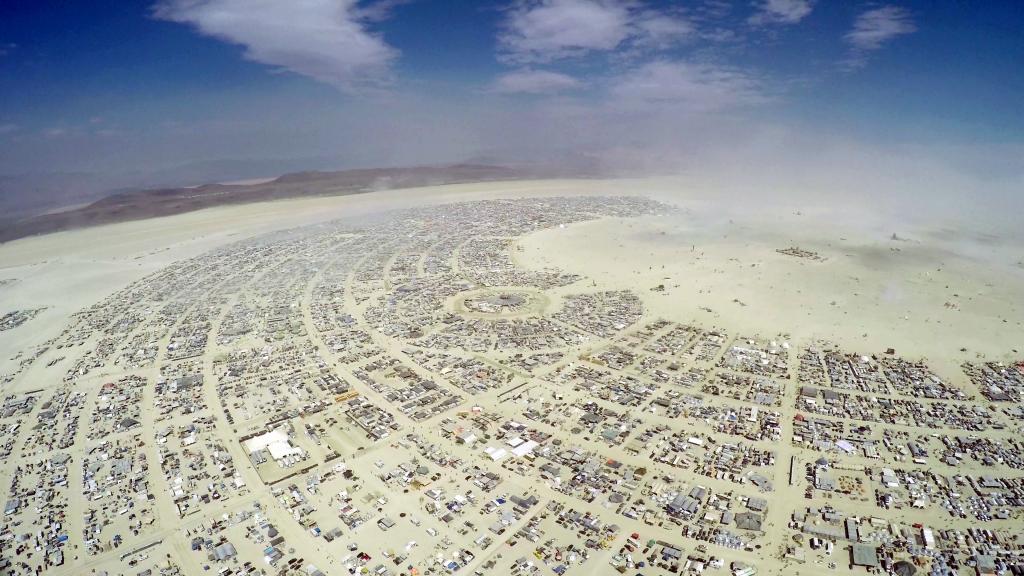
(327, 40)
(55, 132)
(546, 30)
(713, 9)
(660, 30)
(875, 27)
(558, 28)
(694, 87)
(780, 12)
(529, 81)
(379, 10)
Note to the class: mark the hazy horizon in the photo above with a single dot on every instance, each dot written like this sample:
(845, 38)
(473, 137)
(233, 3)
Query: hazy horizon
(907, 100)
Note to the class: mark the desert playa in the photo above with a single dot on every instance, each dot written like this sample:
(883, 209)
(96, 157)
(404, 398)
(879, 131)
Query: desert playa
(864, 286)
(528, 377)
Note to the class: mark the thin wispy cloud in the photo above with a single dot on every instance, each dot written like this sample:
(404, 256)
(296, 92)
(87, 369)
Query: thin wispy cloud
(528, 81)
(55, 132)
(637, 41)
(780, 12)
(875, 28)
(327, 40)
(661, 30)
(549, 30)
(689, 86)
(713, 9)
(378, 11)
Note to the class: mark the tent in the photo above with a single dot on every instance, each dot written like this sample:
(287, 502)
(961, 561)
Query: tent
(904, 568)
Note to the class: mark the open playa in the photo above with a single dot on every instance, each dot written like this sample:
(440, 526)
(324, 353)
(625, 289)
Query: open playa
(869, 287)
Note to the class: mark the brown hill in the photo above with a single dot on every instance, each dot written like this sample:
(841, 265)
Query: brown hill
(142, 204)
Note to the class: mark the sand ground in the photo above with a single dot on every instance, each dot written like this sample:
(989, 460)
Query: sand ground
(870, 292)
(69, 271)
(936, 291)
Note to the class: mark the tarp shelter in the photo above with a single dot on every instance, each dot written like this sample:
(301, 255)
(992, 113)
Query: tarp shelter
(225, 551)
(904, 568)
(496, 453)
(276, 442)
(864, 555)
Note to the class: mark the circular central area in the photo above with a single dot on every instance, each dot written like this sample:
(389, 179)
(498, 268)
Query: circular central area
(504, 302)
(500, 302)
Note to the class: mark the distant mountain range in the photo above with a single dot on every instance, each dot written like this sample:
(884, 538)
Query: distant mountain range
(96, 207)
(33, 193)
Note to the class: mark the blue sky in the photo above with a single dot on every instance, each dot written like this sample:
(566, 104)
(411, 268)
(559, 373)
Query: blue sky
(131, 87)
